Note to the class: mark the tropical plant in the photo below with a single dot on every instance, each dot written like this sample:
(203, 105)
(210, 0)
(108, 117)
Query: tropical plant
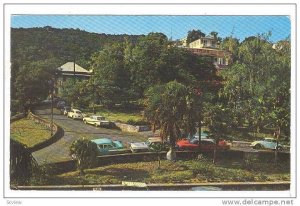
(171, 107)
(157, 148)
(85, 151)
(22, 164)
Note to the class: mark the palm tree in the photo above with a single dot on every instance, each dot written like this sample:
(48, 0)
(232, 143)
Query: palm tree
(171, 107)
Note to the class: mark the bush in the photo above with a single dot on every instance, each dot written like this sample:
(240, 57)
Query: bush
(86, 153)
(136, 122)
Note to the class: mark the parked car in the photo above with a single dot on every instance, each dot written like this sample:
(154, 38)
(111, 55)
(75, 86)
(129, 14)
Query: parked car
(147, 146)
(60, 104)
(75, 114)
(204, 135)
(267, 143)
(98, 121)
(65, 110)
(206, 145)
(109, 146)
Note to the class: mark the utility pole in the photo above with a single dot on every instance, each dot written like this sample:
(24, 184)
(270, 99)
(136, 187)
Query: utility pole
(198, 92)
(74, 68)
(51, 84)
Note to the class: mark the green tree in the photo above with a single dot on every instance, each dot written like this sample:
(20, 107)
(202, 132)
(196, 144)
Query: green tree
(194, 35)
(73, 90)
(231, 45)
(217, 120)
(171, 107)
(31, 83)
(144, 62)
(85, 151)
(257, 85)
(110, 81)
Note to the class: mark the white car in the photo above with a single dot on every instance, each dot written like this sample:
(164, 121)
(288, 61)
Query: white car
(98, 121)
(267, 143)
(75, 114)
(144, 146)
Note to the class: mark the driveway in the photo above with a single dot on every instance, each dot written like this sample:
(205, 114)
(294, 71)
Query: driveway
(76, 129)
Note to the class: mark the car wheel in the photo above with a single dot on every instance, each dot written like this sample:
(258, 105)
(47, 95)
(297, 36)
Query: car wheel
(73, 117)
(95, 124)
(84, 122)
(258, 146)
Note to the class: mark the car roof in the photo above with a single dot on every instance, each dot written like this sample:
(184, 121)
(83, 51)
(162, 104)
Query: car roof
(154, 139)
(102, 141)
(76, 110)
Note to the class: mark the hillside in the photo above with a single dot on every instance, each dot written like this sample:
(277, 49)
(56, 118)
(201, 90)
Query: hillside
(35, 44)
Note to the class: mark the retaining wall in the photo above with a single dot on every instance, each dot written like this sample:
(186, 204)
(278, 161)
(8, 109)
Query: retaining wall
(131, 128)
(17, 117)
(61, 167)
(58, 132)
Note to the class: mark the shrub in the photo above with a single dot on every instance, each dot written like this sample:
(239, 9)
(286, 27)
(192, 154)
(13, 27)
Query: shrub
(86, 152)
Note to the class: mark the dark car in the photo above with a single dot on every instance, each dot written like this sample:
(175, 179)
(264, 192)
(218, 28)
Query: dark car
(60, 104)
(65, 110)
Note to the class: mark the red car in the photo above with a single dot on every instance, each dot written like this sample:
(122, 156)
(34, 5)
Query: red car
(206, 145)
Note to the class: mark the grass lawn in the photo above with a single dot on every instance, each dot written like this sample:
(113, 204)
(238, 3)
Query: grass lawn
(191, 171)
(119, 116)
(28, 132)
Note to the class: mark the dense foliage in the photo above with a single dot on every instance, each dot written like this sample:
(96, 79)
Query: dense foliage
(37, 52)
(257, 85)
(255, 88)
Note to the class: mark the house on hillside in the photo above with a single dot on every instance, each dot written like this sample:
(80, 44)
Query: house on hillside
(209, 47)
(70, 70)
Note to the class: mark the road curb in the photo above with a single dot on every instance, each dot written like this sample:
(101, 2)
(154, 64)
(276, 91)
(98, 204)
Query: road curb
(154, 186)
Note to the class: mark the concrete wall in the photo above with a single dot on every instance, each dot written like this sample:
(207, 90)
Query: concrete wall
(264, 156)
(131, 128)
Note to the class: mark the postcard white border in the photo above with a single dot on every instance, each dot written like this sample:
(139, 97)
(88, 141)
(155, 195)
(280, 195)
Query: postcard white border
(163, 9)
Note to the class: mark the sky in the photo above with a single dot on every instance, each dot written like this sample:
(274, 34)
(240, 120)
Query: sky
(175, 27)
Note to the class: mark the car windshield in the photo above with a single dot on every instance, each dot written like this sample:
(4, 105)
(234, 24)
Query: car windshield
(78, 112)
(100, 118)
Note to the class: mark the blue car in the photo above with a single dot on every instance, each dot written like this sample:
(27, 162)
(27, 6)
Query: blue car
(109, 146)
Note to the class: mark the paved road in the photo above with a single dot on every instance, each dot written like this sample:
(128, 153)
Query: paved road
(76, 129)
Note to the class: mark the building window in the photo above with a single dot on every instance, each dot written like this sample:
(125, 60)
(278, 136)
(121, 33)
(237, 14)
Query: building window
(204, 42)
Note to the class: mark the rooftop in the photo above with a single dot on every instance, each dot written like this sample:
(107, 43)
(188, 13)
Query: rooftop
(69, 67)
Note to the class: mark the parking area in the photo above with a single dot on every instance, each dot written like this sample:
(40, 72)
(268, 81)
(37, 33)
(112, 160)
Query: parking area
(76, 129)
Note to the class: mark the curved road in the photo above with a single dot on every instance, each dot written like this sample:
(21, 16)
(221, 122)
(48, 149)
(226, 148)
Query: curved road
(76, 129)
